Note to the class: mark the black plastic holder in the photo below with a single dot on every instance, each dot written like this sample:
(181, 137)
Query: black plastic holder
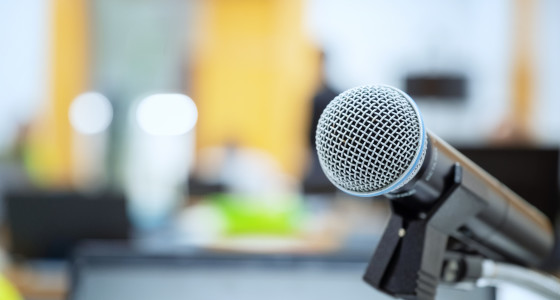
(410, 256)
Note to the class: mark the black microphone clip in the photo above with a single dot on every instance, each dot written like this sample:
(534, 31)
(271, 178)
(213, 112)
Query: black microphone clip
(409, 260)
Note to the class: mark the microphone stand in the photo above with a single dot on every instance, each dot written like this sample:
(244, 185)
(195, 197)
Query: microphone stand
(467, 271)
(416, 252)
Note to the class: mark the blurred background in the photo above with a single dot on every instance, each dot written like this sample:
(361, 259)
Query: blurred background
(139, 136)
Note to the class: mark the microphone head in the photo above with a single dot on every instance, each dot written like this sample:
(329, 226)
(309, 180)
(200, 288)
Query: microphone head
(371, 140)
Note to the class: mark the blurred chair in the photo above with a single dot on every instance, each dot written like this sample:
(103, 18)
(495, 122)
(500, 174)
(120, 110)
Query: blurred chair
(45, 224)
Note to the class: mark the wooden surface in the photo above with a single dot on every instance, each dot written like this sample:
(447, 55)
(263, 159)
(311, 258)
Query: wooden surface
(49, 283)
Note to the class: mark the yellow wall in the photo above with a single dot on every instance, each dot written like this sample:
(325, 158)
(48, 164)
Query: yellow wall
(255, 72)
(49, 146)
(523, 69)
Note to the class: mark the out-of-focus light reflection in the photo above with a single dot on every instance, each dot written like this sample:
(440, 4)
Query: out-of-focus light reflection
(167, 114)
(90, 113)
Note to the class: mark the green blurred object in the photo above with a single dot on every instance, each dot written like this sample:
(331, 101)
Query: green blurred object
(270, 214)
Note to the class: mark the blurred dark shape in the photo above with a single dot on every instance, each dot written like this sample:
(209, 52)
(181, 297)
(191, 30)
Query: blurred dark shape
(117, 272)
(44, 224)
(438, 87)
(530, 172)
(315, 181)
(197, 187)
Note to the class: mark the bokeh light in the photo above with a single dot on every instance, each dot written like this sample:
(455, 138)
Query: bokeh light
(90, 113)
(167, 114)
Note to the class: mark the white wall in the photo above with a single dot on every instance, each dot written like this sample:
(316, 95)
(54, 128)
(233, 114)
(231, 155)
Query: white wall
(547, 115)
(24, 36)
(382, 41)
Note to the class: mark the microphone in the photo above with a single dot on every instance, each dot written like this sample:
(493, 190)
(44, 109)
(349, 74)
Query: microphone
(371, 141)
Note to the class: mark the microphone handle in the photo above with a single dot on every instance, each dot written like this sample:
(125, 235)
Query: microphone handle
(507, 225)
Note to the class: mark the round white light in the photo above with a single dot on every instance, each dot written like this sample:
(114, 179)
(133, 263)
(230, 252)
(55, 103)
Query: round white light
(90, 113)
(167, 114)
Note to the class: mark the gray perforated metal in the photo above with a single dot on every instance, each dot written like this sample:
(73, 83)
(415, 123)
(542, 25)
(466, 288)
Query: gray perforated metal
(370, 140)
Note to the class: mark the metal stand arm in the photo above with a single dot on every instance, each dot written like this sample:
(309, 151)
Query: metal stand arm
(494, 273)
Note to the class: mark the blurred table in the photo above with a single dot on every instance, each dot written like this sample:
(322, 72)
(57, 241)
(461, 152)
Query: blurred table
(347, 226)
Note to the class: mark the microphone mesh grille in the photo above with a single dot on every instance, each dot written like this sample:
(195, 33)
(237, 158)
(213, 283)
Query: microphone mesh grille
(368, 137)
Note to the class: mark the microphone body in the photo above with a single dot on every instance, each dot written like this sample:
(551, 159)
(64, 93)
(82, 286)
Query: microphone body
(508, 228)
